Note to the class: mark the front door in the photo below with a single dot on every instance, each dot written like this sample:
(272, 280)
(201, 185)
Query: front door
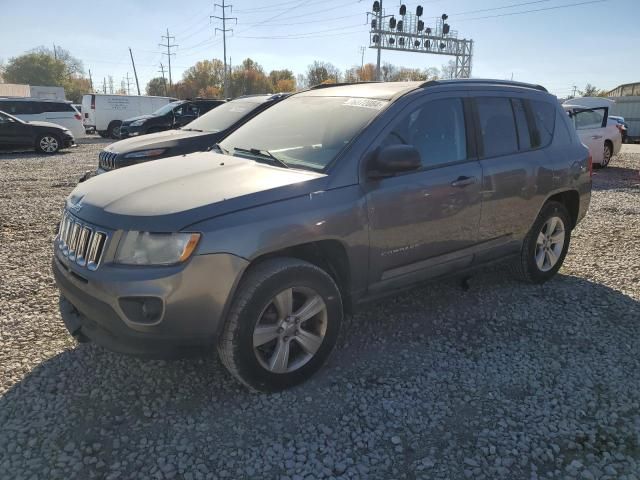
(422, 220)
(14, 133)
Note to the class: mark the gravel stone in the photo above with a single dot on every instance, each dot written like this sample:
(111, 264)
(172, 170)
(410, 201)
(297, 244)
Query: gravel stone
(495, 380)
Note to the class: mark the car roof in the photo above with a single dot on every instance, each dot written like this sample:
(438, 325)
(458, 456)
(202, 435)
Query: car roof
(391, 90)
(30, 99)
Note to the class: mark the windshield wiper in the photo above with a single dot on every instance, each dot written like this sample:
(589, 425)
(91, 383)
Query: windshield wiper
(263, 154)
(192, 130)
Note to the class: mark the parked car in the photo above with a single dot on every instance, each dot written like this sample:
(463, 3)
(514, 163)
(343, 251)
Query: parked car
(199, 135)
(594, 129)
(52, 111)
(105, 113)
(331, 198)
(622, 126)
(44, 137)
(173, 115)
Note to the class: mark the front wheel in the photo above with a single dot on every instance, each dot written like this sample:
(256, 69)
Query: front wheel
(48, 143)
(608, 153)
(282, 325)
(545, 246)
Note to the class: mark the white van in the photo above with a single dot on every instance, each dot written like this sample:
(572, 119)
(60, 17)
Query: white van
(104, 113)
(53, 111)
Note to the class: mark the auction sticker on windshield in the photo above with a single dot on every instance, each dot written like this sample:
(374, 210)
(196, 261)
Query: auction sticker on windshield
(365, 103)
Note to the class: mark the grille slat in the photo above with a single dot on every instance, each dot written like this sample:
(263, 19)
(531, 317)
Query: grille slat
(81, 243)
(107, 160)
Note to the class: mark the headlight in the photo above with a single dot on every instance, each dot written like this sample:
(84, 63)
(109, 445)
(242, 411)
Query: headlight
(146, 153)
(144, 248)
(137, 123)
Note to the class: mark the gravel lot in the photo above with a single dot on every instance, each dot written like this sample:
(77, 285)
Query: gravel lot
(503, 380)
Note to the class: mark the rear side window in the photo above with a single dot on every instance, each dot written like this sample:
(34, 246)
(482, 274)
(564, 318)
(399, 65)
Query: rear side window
(19, 108)
(497, 126)
(544, 116)
(520, 115)
(562, 135)
(57, 107)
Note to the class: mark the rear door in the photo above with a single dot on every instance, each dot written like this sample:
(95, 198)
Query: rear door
(421, 222)
(513, 164)
(590, 123)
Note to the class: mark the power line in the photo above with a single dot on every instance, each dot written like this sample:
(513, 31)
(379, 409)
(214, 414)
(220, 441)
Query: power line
(501, 8)
(168, 54)
(534, 11)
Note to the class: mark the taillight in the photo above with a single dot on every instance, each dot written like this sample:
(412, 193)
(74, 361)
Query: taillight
(93, 102)
(78, 116)
(590, 162)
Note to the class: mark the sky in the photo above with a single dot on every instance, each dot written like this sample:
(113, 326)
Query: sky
(533, 41)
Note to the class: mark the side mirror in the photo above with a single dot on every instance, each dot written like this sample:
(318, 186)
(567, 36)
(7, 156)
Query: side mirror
(394, 159)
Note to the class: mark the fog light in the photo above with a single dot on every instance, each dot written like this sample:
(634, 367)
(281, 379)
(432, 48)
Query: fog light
(147, 310)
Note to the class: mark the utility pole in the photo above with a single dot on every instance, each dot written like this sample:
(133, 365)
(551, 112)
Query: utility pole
(104, 85)
(379, 25)
(575, 89)
(224, 31)
(362, 50)
(134, 70)
(110, 85)
(164, 80)
(90, 80)
(128, 84)
(55, 53)
(169, 46)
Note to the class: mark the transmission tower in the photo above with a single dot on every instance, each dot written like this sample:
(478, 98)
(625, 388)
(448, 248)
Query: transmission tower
(409, 33)
(224, 31)
(168, 46)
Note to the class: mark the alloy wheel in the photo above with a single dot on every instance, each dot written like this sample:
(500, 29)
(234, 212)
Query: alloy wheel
(607, 155)
(290, 330)
(549, 244)
(49, 144)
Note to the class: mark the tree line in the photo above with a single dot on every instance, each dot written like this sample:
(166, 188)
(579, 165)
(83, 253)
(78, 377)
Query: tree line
(43, 66)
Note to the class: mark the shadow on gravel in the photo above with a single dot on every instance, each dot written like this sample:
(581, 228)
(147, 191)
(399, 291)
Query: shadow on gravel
(434, 346)
(610, 178)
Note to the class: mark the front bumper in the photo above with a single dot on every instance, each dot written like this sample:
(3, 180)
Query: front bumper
(68, 141)
(194, 298)
(127, 131)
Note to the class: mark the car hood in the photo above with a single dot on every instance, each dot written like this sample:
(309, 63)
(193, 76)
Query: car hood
(133, 119)
(179, 191)
(166, 139)
(47, 125)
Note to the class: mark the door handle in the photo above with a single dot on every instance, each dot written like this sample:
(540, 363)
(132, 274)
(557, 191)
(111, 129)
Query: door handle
(461, 182)
(596, 137)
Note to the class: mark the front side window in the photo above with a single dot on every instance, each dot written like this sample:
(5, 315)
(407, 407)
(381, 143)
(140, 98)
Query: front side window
(497, 126)
(224, 116)
(305, 131)
(166, 109)
(436, 130)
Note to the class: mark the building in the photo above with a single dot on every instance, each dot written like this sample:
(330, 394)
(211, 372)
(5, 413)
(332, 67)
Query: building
(32, 91)
(626, 90)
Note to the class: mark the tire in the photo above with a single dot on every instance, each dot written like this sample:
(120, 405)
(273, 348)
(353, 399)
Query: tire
(48, 143)
(113, 131)
(261, 302)
(608, 153)
(528, 266)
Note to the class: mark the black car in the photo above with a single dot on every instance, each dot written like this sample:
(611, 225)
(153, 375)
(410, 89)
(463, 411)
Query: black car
(43, 136)
(173, 115)
(199, 135)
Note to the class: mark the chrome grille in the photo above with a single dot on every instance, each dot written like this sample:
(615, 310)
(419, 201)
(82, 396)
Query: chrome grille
(107, 160)
(80, 242)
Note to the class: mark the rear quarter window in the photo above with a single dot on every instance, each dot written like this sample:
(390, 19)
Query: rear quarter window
(544, 119)
(57, 107)
(562, 135)
(19, 108)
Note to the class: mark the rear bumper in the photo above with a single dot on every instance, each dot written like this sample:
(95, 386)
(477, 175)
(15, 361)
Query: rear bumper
(193, 299)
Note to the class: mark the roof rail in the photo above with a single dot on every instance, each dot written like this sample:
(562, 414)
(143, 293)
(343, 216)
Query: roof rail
(340, 84)
(485, 81)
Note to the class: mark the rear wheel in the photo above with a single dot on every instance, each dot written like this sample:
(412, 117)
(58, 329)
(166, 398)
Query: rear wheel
(103, 133)
(608, 153)
(48, 143)
(545, 246)
(282, 325)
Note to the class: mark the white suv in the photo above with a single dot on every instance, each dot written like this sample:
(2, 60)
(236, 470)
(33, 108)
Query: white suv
(52, 111)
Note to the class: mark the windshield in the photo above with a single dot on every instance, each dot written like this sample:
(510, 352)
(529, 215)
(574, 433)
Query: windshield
(223, 116)
(306, 132)
(166, 109)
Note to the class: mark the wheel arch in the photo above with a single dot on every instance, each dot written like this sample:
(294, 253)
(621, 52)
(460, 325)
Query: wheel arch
(571, 200)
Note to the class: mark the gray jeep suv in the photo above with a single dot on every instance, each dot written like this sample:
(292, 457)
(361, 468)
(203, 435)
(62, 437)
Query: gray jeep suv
(335, 196)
